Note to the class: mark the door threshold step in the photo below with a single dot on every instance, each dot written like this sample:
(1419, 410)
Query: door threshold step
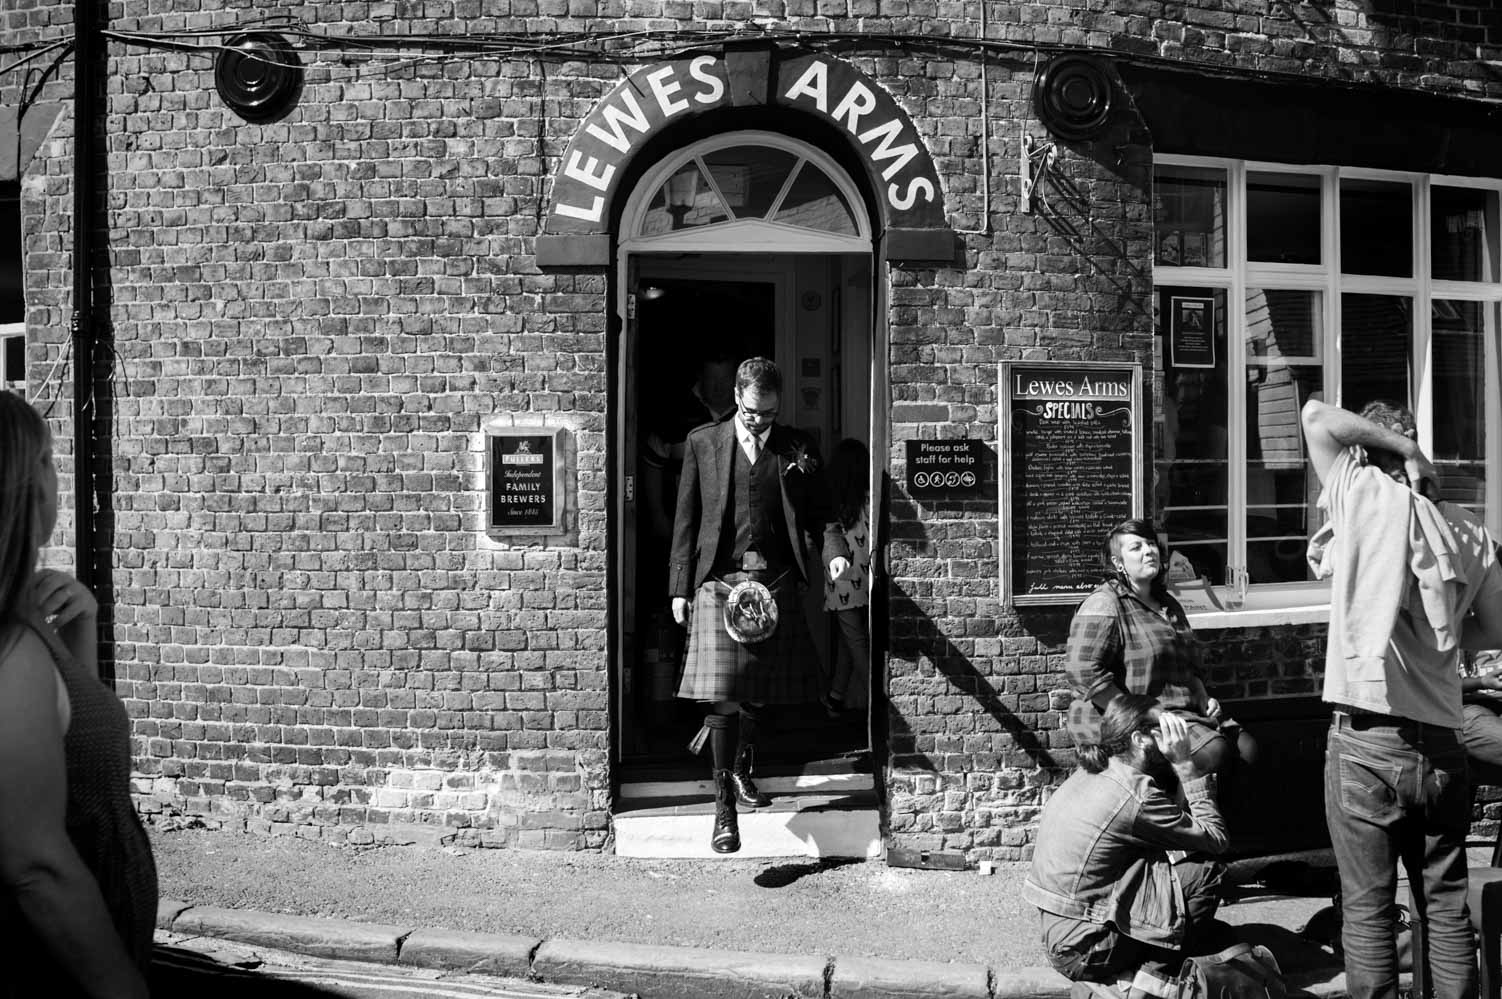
(826, 783)
(802, 824)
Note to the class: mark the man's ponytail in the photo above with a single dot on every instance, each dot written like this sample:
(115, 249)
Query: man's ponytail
(1092, 756)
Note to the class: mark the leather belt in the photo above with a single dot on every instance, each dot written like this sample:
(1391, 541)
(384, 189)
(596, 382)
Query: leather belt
(767, 577)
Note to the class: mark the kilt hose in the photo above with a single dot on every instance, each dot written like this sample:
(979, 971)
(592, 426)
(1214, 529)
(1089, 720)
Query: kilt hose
(784, 669)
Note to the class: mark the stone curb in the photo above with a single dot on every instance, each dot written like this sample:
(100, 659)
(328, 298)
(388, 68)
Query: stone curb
(664, 972)
(458, 950)
(653, 971)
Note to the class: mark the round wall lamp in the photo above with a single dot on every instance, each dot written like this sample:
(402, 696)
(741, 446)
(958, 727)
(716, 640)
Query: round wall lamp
(1073, 96)
(258, 75)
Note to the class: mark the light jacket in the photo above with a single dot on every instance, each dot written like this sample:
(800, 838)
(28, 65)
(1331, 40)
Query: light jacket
(1106, 846)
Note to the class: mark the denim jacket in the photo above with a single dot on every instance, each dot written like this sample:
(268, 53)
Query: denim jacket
(1106, 847)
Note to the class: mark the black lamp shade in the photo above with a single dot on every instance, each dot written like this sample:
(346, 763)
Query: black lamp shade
(258, 75)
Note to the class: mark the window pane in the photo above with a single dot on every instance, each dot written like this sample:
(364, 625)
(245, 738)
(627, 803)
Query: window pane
(1191, 481)
(1282, 218)
(1285, 330)
(1463, 227)
(1189, 216)
(1376, 228)
(1459, 418)
(815, 203)
(683, 202)
(750, 177)
(1376, 342)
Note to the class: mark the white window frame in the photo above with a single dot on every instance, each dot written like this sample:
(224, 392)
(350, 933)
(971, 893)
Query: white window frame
(744, 235)
(1291, 602)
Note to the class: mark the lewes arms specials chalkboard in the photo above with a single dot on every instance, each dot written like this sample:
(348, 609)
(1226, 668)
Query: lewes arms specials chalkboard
(1071, 439)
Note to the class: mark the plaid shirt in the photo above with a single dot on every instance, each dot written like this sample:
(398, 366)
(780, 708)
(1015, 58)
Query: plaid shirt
(1115, 639)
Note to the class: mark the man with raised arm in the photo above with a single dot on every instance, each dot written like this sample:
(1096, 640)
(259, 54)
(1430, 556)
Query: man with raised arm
(1411, 580)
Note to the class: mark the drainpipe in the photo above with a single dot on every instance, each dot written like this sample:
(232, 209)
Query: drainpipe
(85, 40)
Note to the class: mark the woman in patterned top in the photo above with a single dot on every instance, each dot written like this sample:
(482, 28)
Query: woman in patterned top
(78, 887)
(848, 596)
(1130, 636)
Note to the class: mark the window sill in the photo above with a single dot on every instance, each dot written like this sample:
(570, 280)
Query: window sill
(1256, 617)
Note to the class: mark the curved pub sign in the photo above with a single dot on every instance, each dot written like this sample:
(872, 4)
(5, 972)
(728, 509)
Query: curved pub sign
(526, 480)
(1071, 434)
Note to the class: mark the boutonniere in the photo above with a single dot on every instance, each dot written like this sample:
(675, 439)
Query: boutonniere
(801, 460)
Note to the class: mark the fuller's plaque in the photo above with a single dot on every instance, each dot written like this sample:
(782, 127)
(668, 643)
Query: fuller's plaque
(526, 480)
(1071, 438)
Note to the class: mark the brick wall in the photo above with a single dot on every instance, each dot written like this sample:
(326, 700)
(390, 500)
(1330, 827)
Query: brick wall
(316, 317)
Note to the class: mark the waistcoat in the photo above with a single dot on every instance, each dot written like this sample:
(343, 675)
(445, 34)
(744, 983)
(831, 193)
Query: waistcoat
(754, 518)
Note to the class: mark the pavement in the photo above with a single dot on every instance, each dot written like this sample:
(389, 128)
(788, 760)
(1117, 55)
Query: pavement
(608, 929)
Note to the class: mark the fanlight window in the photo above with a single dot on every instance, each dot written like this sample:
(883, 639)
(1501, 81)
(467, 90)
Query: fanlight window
(746, 183)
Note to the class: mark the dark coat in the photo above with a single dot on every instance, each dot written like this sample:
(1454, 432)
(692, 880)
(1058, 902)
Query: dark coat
(707, 456)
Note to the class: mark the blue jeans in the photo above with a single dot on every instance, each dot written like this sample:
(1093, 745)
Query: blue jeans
(1397, 791)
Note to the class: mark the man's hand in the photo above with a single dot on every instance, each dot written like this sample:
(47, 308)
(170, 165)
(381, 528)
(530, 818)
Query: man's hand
(1172, 736)
(681, 610)
(838, 566)
(1423, 477)
(1213, 708)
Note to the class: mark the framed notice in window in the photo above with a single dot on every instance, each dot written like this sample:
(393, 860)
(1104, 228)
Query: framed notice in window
(1191, 331)
(1071, 460)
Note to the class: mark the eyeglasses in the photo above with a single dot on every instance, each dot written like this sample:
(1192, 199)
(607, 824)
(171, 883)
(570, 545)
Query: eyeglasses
(765, 414)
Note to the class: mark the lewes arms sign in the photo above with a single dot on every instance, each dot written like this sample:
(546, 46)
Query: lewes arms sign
(898, 165)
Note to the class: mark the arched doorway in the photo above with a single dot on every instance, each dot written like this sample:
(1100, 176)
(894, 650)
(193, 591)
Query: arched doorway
(745, 243)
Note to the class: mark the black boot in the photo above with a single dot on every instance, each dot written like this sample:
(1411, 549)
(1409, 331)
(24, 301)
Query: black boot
(726, 837)
(746, 792)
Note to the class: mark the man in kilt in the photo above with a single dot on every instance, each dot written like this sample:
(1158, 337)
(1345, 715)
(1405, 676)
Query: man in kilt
(752, 490)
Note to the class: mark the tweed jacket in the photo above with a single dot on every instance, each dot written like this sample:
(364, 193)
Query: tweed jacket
(702, 494)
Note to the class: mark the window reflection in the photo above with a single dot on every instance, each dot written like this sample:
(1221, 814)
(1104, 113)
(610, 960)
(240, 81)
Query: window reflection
(1284, 333)
(1376, 338)
(1192, 484)
(1376, 228)
(1189, 216)
(1463, 232)
(1282, 218)
(1459, 418)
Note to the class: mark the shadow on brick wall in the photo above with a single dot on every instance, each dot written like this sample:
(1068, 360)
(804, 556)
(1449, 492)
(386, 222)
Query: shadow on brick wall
(1016, 707)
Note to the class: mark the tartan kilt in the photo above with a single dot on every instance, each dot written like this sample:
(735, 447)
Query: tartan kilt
(784, 669)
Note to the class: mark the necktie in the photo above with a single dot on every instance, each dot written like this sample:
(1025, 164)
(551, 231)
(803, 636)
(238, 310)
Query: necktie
(755, 448)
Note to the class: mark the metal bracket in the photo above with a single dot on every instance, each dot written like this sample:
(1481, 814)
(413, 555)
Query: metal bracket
(1031, 149)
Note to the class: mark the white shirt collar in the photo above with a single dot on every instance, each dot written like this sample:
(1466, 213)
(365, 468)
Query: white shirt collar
(744, 434)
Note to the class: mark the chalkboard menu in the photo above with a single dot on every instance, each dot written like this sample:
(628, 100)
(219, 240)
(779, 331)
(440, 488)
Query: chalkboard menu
(1071, 435)
(526, 480)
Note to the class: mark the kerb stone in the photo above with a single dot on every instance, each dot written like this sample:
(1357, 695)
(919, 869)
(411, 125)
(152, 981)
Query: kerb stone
(679, 972)
(486, 953)
(334, 938)
(881, 978)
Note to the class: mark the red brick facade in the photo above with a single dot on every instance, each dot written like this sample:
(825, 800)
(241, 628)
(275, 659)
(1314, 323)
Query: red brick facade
(314, 318)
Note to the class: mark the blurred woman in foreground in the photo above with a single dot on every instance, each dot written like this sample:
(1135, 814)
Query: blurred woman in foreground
(76, 871)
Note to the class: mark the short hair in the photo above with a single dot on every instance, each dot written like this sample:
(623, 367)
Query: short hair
(1389, 415)
(1143, 528)
(761, 372)
(1125, 714)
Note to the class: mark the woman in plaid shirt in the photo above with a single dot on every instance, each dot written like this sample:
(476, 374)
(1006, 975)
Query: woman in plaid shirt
(1130, 636)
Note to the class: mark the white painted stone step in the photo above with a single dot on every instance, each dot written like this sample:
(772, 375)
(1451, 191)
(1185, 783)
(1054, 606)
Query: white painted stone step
(803, 824)
(826, 783)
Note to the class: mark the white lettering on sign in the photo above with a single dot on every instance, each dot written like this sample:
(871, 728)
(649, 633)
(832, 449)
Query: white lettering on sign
(663, 89)
(590, 214)
(813, 83)
(698, 69)
(615, 118)
(885, 151)
(860, 102)
(1068, 388)
(589, 171)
